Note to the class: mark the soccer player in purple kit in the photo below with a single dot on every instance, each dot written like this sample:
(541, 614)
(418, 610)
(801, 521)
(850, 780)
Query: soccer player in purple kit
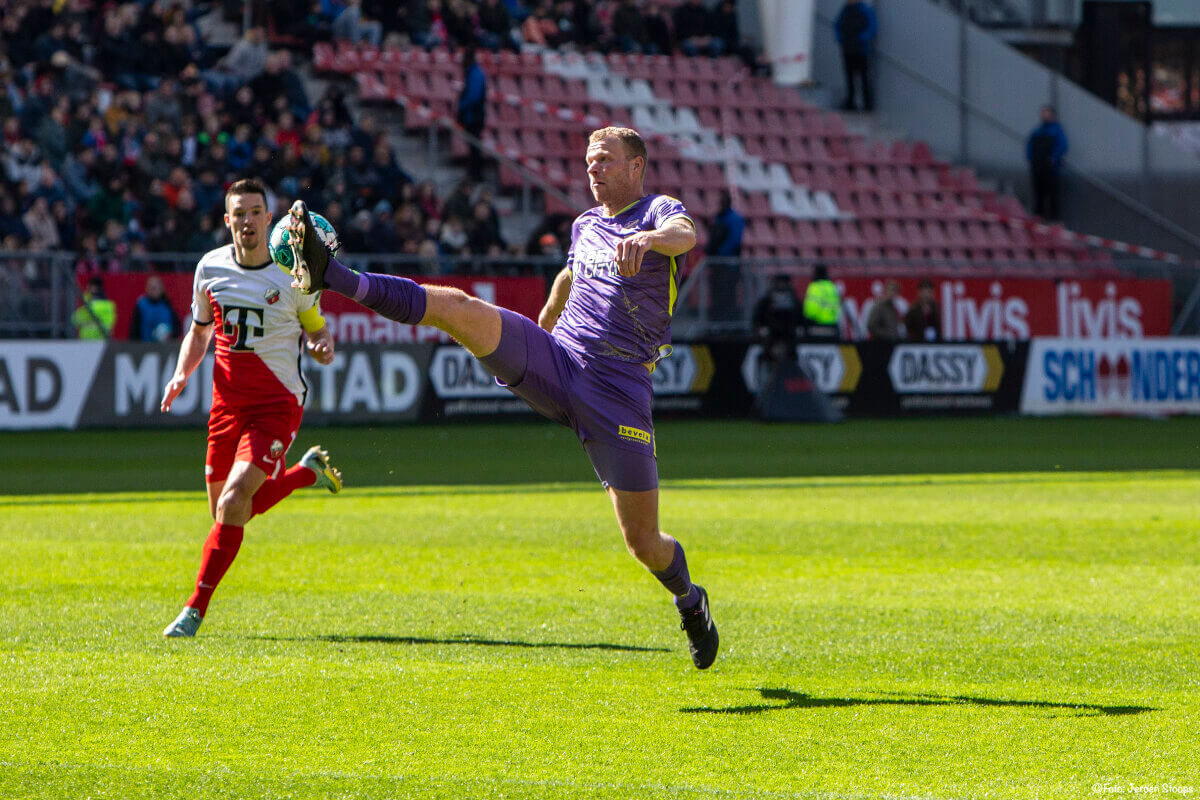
(587, 364)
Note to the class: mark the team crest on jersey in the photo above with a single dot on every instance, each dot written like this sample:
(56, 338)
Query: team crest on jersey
(272, 296)
(276, 449)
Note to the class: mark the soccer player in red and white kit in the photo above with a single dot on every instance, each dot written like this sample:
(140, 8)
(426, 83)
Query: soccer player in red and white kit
(248, 303)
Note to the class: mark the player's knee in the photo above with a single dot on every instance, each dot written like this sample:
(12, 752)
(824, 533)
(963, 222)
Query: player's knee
(453, 306)
(232, 503)
(642, 543)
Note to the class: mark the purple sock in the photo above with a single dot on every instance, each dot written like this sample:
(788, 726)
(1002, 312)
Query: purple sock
(678, 582)
(396, 298)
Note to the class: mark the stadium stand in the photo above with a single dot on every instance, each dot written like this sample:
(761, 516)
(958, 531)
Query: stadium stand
(810, 188)
(123, 124)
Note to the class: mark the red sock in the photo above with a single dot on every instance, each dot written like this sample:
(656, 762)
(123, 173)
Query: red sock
(274, 490)
(220, 548)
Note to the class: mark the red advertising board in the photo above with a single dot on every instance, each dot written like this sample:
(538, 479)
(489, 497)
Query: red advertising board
(972, 309)
(976, 309)
(349, 321)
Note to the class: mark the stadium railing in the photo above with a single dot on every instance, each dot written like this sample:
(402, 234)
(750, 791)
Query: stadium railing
(38, 295)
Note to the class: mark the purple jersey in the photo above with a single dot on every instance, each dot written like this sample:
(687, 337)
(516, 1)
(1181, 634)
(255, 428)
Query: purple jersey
(610, 315)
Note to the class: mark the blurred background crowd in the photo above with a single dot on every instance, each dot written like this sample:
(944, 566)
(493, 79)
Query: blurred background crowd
(123, 122)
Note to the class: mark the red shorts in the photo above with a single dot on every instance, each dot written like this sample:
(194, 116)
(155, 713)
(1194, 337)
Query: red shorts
(260, 435)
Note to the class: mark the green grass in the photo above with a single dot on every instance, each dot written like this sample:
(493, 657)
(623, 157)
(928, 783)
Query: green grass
(926, 609)
(536, 452)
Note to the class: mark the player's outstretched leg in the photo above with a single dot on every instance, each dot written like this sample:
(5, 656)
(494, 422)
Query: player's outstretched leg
(399, 299)
(475, 324)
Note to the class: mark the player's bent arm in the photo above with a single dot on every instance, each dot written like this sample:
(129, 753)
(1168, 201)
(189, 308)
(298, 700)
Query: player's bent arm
(674, 238)
(320, 345)
(557, 301)
(191, 353)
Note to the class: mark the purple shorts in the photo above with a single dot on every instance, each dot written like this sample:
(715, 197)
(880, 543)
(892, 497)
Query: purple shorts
(605, 401)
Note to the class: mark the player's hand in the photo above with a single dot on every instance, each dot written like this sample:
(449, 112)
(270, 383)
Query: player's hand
(321, 349)
(629, 253)
(172, 391)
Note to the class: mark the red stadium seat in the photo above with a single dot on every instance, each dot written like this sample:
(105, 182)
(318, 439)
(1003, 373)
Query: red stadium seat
(922, 155)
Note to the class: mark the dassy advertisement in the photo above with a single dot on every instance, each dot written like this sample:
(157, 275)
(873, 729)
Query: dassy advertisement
(886, 379)
(1129, 376)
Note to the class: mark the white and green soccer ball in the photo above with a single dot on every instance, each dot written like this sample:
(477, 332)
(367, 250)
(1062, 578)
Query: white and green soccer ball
(279, 243)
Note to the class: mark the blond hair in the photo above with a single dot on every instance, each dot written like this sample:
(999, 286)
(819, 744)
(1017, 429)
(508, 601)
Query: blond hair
(631, 139)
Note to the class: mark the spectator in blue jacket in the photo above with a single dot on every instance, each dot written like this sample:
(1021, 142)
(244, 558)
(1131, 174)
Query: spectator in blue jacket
(725, 240)
(472, 108)
(154, 320)
(1045, 150)
(855, 29)
(725, 233)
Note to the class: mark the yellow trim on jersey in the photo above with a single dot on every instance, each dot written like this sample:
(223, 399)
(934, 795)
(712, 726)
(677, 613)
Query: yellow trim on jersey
(678, 216)
(311, 319)
(674, 295)
(623, 210)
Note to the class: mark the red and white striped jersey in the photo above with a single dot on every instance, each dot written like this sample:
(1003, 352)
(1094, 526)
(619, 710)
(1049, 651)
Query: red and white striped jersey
(255, 312)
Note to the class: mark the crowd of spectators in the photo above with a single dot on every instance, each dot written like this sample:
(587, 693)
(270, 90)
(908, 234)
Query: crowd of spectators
(123, 128)
(643, 26)
(122, 124)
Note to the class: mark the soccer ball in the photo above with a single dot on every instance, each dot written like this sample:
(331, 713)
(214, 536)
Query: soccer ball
(279, 243)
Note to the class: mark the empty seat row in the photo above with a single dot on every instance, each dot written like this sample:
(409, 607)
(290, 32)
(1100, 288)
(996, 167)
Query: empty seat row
(545, 144)
(959, 235)
(648, 66)
(991, 258)
(348, 58)
(587, 117)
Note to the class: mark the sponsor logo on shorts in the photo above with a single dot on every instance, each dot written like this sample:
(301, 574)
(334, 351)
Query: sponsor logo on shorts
(276, 449)
(638, 434)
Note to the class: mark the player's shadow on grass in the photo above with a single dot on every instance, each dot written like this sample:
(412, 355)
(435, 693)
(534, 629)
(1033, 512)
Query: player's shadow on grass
(466, 640)
(793, 700)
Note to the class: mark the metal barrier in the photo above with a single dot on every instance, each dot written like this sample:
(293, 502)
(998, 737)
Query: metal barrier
(38, 294)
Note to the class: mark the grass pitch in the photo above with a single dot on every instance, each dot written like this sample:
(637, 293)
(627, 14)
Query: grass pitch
(981, 608)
